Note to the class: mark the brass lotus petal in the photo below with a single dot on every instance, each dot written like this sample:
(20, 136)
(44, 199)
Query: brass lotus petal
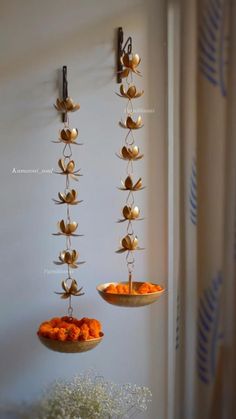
(138, 184)
(125, 60)
(129, 243)
(135, 212)
(131, 93)
(63, 134)
(123, 124)
(131, 124)
(68, 228)
(74, 133)
(126, 242)
(67, 105)
(139, 121)
(58, 105)
(71, 106)
(62, 256)
(73, 287)
(135, 60)
(135, 243)
(64, 286)
(69, 135)
(130, 213)
(70, 166)
(73, 226)
(130, 186)
(130, 153)
(69, 257)
(134, 151)
(125, 73)
(125, 153)
(61, 226)
(74, 255)
(70, 290)
(131, 62)
(127, 212)
(139, 94)
(128, 183)
(69, 197)
(61, 164)
(122, 91)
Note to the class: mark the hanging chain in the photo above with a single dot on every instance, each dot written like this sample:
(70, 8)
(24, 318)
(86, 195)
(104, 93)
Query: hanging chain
(70, 308)
(67, 154)
(129, 141)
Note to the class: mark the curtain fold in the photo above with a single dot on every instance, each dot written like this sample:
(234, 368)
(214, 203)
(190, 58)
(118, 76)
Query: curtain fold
(205, 354)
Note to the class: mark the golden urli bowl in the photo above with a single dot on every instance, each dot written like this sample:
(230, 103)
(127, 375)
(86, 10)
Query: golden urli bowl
(128, 300)
(70, 346)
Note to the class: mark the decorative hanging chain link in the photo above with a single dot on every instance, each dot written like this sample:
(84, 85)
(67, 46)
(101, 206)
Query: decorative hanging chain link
(68, 227)
(130, 153)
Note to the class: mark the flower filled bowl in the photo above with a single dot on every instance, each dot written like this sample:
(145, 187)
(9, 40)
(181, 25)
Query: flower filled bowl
(70, 335)
(117, 293)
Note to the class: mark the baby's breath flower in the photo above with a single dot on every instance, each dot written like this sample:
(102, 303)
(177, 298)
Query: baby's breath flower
(91, 396)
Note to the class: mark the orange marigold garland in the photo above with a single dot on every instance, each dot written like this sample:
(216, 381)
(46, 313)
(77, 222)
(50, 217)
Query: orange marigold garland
(143, 288)
(70, 329)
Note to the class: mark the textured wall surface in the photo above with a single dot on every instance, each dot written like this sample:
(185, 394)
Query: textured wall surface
(37, 38)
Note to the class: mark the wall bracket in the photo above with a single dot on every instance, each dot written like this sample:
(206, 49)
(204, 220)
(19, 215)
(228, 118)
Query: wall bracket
(122, 49)
(64, 89)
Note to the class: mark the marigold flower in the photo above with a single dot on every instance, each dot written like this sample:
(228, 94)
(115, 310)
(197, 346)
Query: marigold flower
(62, 334)
(94, 328)
(84, 332)
(53, 333)
(111, 289)
(44, 330)
(73, 332)
(55, 321)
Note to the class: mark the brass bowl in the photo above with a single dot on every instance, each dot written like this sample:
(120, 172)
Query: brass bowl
(128, 300)
(70, 346)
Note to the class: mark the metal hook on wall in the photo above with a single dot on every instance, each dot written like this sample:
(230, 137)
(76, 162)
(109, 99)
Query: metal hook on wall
(64, 90)
(122, 49)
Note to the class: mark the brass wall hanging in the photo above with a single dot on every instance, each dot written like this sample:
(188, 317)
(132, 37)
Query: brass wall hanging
(68, 334)
(130, 293)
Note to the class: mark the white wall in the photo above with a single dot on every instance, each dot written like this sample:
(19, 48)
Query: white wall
(37, 38)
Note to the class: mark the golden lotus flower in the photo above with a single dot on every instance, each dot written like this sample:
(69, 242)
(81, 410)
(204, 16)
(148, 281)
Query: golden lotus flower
(70, 290)
(67, 229)
(128, 184)
(130, 213)
(130, 62)
(68, 136)
(70, 257)
(131, 124)
(67, 105)
(131, 93)
(130, 153)
(129, 244)
(68, 198)
(68, 169)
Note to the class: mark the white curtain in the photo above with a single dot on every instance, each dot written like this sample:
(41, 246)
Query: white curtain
(205, 255)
